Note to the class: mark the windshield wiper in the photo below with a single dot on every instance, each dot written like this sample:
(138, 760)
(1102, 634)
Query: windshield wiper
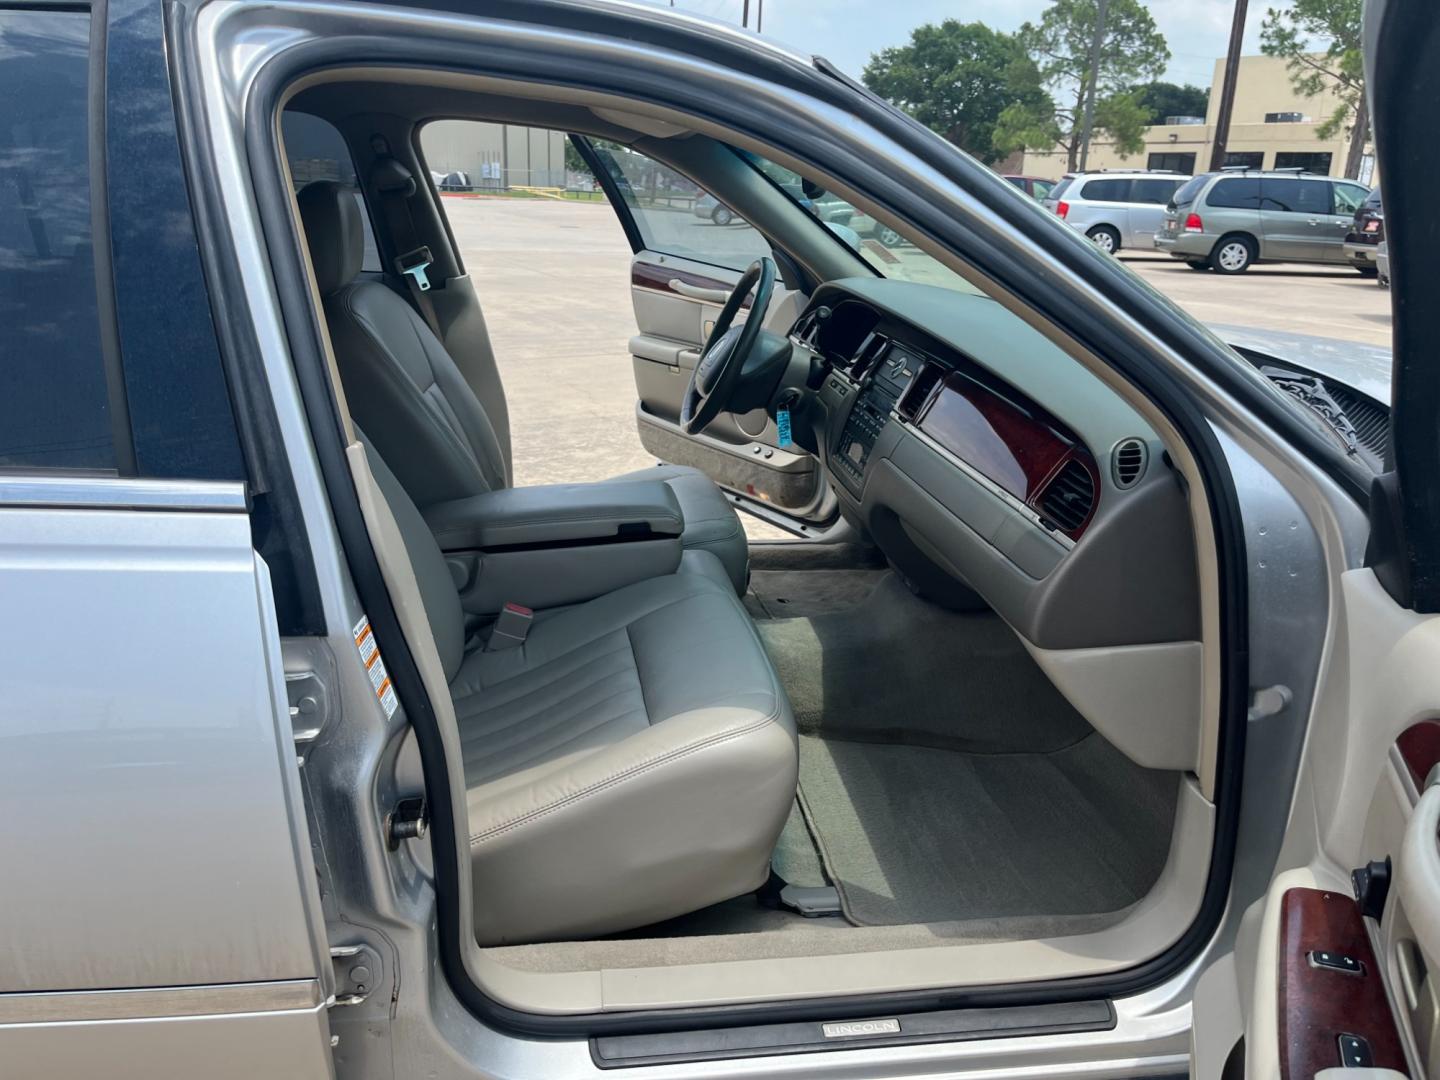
(1311, 392)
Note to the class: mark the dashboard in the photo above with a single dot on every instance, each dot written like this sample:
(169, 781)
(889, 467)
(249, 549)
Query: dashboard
(993, 469)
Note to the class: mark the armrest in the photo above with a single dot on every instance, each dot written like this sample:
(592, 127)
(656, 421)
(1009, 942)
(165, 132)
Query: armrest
(556, 514)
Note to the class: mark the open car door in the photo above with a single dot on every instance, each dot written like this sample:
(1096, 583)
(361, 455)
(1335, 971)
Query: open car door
(690, 251)
(1338, 965)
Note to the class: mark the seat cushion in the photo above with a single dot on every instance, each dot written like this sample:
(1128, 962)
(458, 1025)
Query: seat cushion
(634, 760)
(711, 523)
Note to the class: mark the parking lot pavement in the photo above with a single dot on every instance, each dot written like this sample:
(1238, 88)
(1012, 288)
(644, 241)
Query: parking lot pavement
(554, 280)
(1334, 302)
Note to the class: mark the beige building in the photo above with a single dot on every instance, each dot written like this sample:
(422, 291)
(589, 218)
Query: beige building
(495, 155)
(1272, 127)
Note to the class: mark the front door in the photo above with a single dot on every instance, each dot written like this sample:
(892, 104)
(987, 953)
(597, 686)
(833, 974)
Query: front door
(1337, 965)
(690, 250)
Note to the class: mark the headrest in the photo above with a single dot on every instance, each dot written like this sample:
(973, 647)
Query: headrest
(335, 231)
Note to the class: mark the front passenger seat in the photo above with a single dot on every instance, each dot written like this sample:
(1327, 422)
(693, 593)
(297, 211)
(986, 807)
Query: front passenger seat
(632, 760)
(405, 390)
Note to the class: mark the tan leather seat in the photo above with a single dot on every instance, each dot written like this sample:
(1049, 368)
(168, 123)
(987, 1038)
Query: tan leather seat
(405, 390)
(633, 760)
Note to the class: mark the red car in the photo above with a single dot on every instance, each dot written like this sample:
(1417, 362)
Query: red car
(1037, 187)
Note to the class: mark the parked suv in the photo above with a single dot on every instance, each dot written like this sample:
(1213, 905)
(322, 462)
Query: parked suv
(1367, 232)
(1114, 209)
(1227, 221)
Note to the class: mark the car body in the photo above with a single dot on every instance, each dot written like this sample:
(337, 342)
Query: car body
(1382, 264)
(1145, 642)
(712, 209)
(1228, 221)
(1114, 209)
(1367, 233)
(1037, 187)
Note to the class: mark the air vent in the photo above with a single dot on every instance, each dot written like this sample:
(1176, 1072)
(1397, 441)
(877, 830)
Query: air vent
(869, 353)
(1128, 461)
(1069, 498)
(918, 392)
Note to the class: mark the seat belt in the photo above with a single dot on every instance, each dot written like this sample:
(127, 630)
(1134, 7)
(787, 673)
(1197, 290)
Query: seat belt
(396, 187)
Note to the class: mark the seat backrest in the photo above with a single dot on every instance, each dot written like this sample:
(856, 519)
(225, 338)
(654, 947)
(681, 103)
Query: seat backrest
(400, 384)
(437, 587)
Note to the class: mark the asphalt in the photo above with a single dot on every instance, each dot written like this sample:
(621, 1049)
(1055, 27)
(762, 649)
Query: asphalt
(554, 280)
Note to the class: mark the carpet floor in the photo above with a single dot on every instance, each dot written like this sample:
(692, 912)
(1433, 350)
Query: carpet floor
(942, 776)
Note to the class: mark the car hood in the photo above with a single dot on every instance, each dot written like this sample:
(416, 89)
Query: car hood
(1363, 368)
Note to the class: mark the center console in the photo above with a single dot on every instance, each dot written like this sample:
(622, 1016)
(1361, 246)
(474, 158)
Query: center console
(887, 371)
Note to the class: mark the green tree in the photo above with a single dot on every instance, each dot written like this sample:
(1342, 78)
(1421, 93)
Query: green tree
(957, 78)
(1132, 51)
(1162, 99)
(1339, 68)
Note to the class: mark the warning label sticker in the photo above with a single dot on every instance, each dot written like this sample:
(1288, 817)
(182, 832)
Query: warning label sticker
(375, 666)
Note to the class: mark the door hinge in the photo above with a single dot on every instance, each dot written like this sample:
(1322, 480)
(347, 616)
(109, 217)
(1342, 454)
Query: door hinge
(356, 969)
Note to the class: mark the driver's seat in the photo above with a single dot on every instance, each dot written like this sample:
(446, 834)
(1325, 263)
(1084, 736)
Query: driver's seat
(406, 392)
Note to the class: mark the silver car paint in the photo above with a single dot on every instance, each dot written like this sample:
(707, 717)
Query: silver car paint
(1361, 367)
(160, 863)
(427, 1032)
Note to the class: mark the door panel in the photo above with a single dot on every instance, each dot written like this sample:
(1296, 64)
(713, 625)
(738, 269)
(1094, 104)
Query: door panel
(676, 304)
(1359, 803)
(1297, 220)
(163, 868)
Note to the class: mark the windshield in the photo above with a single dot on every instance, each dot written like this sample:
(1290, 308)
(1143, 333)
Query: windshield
(884, 250)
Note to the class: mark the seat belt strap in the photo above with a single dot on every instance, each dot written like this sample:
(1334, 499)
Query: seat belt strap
(414, 264)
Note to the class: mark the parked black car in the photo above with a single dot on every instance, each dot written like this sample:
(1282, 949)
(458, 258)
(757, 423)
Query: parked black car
(1366, 234)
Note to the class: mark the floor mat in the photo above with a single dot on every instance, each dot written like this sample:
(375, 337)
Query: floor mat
(877, 663)
(792, 594)
(918, 834)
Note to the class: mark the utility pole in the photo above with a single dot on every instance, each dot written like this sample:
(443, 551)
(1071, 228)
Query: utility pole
(1095, 47)
(759, 16)
(745, 15)
(1227, 87)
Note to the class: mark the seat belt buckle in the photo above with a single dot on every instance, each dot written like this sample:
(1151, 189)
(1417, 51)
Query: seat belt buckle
(511, 627)
(414, 264)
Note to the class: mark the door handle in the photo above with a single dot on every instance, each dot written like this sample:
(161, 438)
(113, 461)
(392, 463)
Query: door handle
(696, 292)
(1312, 221)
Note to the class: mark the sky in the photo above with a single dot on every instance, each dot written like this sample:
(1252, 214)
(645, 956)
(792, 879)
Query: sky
(847, 31)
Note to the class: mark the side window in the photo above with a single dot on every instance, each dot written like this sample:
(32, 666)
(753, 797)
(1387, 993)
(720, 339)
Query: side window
(676, 216)
(1349, 198)
(316, 150)
(54, 404)
(1296, 196)
(1157, 192)
(1043, 188)
(1240, 193)
(1106, 190)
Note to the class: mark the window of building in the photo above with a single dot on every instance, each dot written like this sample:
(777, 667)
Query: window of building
(1111, 190)
(1245, 159)
(1312, 161)
(1155, 191)
(1172, 162)
(316, 150)
(1236, 193)
(1285, 118)
(1295, 196)
(55, 402)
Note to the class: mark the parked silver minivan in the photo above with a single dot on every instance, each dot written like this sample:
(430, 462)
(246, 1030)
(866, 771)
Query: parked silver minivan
(1227, 221)
(1114, 210)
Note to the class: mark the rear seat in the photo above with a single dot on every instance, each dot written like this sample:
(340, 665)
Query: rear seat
(633, 760)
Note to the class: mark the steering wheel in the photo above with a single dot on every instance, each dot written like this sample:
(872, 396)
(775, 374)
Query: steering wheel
(718, 370)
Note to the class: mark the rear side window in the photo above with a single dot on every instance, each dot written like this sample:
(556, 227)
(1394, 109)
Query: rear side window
(1186, 193)
(316, 150)
(55, 410)
(1295, 196)
(1106, 190)
(1043, 189)
(1237, 193)
(1153, 191)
